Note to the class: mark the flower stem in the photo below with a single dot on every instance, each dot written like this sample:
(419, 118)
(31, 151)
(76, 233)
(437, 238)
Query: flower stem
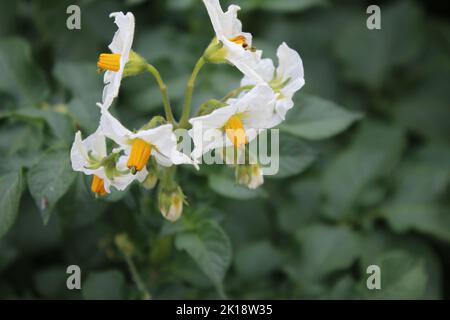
(189, 89)
(136, 277)
(163, 89)
(126, 248)
(235, 92)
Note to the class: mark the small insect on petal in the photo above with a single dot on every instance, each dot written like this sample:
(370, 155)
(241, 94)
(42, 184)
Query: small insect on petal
(241, 40)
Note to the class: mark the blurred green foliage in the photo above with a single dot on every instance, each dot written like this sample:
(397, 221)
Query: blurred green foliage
(376, 194)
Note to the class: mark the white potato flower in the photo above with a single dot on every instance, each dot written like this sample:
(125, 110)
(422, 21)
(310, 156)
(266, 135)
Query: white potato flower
(114, 63)
(285, 80)
(235, 124)
(159, 142)
(237, 45)
(90, 157)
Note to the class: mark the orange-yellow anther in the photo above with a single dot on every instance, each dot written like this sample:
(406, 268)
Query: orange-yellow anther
(140, 153)
(234, 129)
(109, 61)
(98, 186)
(241, 40)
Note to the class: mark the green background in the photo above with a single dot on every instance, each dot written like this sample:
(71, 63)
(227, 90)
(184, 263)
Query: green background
(365, 157)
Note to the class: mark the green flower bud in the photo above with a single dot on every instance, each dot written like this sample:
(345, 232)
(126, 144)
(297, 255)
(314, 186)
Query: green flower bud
(135, 65)
(150, 181)
(171, 203)
(216, 52)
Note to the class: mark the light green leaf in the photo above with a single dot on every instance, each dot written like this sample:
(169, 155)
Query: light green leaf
(20, 75)
(49, 180)
(373, 153)
(325, 249)
(315, 118)
(105, 285)
(427, 218)
(10, 194)
(403, 276)
(210, 248)
(377, 243)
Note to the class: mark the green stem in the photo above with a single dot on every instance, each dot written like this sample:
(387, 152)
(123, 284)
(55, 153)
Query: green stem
(163, 89)
(189, 89)
(136, 277)
(168, 178)
(235, 92)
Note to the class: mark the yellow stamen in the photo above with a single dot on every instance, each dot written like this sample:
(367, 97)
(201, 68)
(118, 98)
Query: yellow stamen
(234, 129)
(241, 40)
(109, 61)
(140, 153)
(98, 186)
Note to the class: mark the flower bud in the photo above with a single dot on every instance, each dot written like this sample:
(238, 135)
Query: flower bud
(135, 65)
(216, 52)
(171, 203)
(124, 244)
(249, 175)
(150, 181)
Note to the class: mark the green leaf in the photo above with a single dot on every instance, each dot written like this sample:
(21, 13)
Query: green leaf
(22, 139)
(325, 249)
(49, 180)
(402, 277)
(315, 118)
(10, 194)
(105, 285)
(210, 248)
(86, 87)
(225, 185)
(20, 75)
(420, 185)
(257, 260)
(294, 157)
(284, 6)
(59, 123)
(370, 56)
(50, 283)
(427, 218)
(374, 152)
(302, 207)
(377, 243)
(424, 109)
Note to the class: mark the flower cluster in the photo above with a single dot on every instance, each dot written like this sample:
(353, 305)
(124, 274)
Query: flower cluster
(150, 154)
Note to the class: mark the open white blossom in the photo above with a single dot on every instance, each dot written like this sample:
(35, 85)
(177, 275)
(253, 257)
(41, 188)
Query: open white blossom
(235, 124)
(90, 157)
(285, 80)
(237, 45)
(114, 63)
(159, 142)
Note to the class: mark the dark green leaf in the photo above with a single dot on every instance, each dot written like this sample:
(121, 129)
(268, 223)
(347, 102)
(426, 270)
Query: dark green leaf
(10, 194)
(210, 247)
(49, 180)
(20, 75)
(105, 285)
